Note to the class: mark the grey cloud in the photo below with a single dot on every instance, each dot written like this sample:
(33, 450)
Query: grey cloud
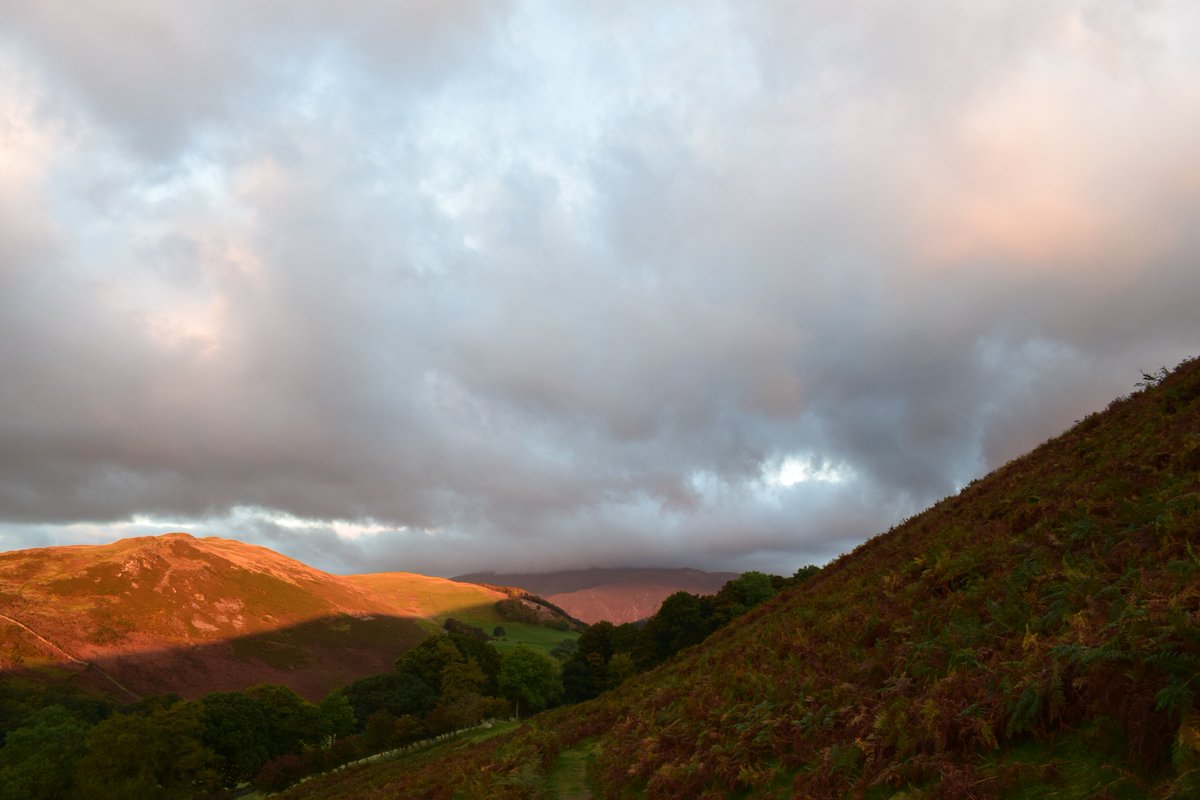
(163, 75)
(490, 287)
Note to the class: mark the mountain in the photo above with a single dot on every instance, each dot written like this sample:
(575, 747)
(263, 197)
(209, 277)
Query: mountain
(1035, 636)
(615, 595)
(176, 613)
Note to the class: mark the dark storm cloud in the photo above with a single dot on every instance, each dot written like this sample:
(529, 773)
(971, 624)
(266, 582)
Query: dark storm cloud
(450, 286)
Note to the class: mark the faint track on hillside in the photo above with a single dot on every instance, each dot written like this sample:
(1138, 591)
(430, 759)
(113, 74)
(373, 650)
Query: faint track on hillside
(69, 656)
(568, 777)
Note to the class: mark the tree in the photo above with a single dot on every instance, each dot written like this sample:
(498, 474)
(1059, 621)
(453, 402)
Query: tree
(337, 715)
(292, 721)
(585, 672)
(583, 676)
(428, 659)
(453, 625)
(564, 649)
(530, 679)
(38, 760)
(236, 729)
(483, 654)
(462, 703)
(682, 620)
(619, 669)
(398, 693)
(380, 732)
(803, 574)
(157, 756)
(743, 593)
(597, 638)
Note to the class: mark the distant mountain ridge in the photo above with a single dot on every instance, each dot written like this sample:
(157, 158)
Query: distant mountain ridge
(177, 613)
(615, 595)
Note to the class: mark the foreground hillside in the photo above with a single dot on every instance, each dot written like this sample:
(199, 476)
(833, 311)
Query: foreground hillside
(187, 615)
(615, 595)
(1035, 636)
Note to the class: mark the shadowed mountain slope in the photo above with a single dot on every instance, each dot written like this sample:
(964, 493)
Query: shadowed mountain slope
(616, 595)
(192, 615)
(1035, 636)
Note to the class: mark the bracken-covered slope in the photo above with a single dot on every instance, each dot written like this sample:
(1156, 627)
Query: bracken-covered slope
(615, 595)
(1035, 636)
(190, 615)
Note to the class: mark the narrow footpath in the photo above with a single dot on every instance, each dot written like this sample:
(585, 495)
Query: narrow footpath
(568, 778)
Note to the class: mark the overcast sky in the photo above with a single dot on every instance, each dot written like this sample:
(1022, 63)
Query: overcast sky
(450, 286)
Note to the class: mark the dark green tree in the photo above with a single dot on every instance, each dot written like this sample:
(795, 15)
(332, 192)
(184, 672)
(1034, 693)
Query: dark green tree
(236, 729)
(337, 715)
(483, 654)
(803, 574)
(682, 621)
(428, 659)
(741, 594)
(529, 680)
(619, 669)
(292, 721)
(584, 673)
(398, 693)
(38, 760)
(156, 756)
(463, 702)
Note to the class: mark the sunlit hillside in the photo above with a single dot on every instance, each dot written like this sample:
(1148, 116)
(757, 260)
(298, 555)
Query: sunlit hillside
(190, 615)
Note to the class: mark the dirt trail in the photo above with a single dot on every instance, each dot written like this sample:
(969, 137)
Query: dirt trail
(69, 656)
(568, 777)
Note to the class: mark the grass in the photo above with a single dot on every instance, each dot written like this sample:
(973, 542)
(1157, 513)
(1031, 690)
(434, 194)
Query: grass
(569, 776)
(535, 637)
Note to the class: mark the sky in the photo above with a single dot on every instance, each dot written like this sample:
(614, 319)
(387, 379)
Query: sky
(454, 286)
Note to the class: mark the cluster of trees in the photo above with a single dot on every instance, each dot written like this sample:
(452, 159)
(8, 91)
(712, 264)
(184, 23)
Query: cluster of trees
(606, 655)
(63, 744)
(447, 683)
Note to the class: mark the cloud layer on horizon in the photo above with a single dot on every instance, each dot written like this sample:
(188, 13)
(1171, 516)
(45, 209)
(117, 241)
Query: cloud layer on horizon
(462, 285)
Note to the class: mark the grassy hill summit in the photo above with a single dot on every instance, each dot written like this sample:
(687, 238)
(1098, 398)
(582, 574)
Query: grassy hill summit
(187, 615)
(1035, 636)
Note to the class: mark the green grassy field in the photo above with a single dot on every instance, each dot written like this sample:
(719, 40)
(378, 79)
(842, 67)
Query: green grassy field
(535, 637)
